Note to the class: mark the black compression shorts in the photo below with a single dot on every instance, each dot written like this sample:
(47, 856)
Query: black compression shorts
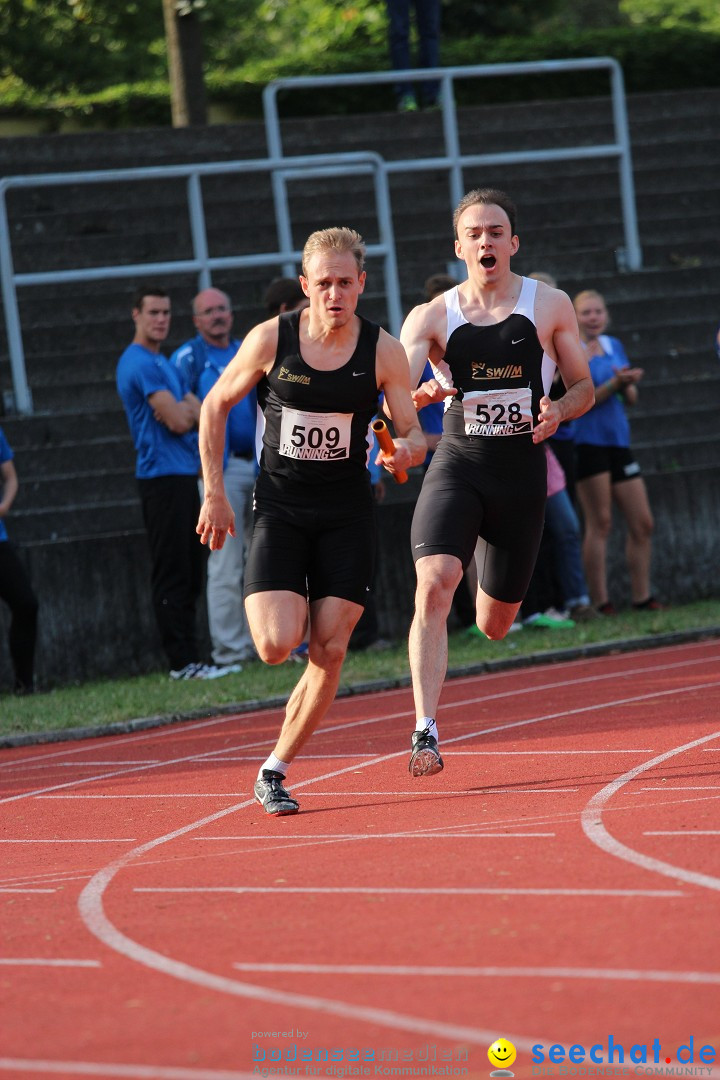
(465, 502)
(317, 549)
(617, 460)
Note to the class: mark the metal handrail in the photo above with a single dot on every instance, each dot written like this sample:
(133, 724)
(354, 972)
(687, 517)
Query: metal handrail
(202, 263)
(454, 160)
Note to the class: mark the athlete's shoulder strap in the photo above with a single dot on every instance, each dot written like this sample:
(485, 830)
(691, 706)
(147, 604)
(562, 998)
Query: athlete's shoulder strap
(526, 300)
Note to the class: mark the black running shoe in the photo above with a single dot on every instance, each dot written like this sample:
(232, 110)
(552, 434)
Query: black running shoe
(425, 759)
(271, 794)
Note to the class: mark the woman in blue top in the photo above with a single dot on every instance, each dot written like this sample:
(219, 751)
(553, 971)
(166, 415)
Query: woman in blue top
(15, 588)
(606, 469)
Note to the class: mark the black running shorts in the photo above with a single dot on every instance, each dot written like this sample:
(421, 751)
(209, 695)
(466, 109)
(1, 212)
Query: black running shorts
(316, 549)
(617, 460)
(495, 504)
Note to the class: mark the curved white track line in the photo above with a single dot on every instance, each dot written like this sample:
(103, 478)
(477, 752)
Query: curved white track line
(90, 904)
(594, 827)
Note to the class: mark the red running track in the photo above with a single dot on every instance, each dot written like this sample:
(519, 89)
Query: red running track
(557, 884)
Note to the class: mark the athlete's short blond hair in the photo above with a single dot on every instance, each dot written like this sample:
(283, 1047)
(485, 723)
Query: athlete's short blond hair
(339, 239)
(588, 294)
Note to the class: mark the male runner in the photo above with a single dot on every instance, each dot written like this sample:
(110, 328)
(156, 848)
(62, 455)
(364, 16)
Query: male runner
(494, 342)
(318, 373)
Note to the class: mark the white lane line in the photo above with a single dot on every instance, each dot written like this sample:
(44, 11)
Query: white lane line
(325, 794)
(368, 890)
(37, 961)
(79, 840)
(26, 890)
(498, 676)
(166, 795)
(683, 832)
(383, 836)
(595, 830)
(92, 912)
(619, 974)
(681, 787)
(343, 726)
(131, 1072)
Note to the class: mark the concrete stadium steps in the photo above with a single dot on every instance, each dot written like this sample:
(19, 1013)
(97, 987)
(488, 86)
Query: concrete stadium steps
(75, 457)
(113, 455)
(678, 453)
(70, 521)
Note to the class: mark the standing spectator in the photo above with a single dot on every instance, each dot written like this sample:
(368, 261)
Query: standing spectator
(163, 417)
(427, 21)
(607, 472)
(201, 361)
(15, 587)
(284, 294)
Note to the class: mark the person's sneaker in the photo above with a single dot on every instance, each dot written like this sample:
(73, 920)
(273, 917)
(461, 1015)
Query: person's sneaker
(651, 604)
(607, 608)
(272, 796)
(204, 671)
(425, 759)
(300, 654)
(540, 621)
(583, 613)
(407, 103)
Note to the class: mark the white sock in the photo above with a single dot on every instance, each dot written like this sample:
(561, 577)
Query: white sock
(427, 722)
(275, 765)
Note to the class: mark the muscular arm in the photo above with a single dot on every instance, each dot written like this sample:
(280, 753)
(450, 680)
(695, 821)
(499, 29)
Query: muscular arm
(394, 381)
(423, 337)
(244, 371)
(9, 486)
(556, 320)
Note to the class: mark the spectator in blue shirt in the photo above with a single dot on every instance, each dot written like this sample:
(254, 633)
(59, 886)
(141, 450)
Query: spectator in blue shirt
(201, 361)
(163, 416)
(15, 587)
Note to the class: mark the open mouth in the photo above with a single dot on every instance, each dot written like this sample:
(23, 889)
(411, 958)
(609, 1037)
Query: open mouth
(488, 261)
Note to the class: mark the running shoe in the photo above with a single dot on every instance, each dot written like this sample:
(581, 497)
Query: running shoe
(425, 759)
(271, 794)
(204, 671)
(651, 604)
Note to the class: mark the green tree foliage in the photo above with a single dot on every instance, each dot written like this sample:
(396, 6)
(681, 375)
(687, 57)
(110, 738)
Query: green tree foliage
(63, 47)
(668, 14)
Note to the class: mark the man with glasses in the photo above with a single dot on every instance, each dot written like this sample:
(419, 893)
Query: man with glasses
(200, 363)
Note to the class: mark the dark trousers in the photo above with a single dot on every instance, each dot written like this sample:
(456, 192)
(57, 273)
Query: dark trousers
(427, 15)
(16, 591)
(170, 506)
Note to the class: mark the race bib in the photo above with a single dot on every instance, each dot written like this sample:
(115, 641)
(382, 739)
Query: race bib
(309, 436)
(498, 412)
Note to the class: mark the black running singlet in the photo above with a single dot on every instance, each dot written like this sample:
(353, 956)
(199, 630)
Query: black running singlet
(500, 372)
(317, 422)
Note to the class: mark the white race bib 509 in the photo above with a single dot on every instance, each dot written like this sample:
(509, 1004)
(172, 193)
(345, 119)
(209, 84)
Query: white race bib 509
(309, 436)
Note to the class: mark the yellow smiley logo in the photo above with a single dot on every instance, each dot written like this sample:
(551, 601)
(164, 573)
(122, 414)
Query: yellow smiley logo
(502, 1053)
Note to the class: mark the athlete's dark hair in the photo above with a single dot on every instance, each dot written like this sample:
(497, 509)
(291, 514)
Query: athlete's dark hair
(485, 197)
(283, 294)
(148, 289)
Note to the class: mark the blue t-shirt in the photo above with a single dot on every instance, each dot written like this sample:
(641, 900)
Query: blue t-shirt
(605, 424)
(242, 418)
(140, 374)
(6, 454)
(431, 417)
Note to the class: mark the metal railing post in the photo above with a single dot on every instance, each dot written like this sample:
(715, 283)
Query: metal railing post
(23, 398)
(633, 250)
(198, 230)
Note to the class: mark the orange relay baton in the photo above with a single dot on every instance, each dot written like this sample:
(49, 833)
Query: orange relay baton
(387, 446)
